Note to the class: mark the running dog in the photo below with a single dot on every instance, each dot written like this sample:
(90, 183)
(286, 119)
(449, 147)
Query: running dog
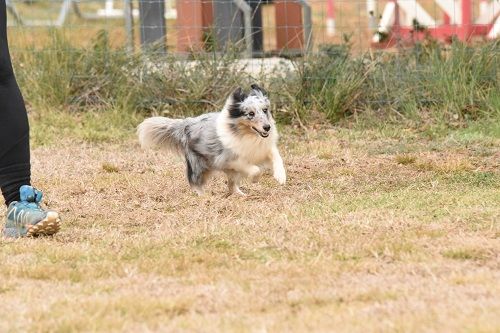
(240, 141)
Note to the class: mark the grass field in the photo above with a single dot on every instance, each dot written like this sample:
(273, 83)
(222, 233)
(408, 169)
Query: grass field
(377, 230)
(389, 222)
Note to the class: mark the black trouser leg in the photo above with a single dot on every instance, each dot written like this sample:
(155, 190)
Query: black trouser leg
(14, 128)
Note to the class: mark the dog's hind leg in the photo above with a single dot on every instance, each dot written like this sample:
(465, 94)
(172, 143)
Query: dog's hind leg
(198, 190)
(197, 172)
(233, 183)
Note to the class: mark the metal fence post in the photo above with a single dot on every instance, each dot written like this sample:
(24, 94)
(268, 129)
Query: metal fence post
(232, 21)
(247, 24)
(11, 9)
(153, 28)
(257, 33)
(308, 36)
(129, 24)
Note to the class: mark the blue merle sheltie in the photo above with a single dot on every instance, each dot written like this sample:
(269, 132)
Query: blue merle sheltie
(240, 141)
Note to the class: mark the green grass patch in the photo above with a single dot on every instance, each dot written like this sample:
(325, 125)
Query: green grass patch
(466, 254)
(405, 159)
(108, 167)
(475, 179)
(50, 127)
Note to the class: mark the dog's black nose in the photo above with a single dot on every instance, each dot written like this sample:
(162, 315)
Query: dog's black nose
(266, 128)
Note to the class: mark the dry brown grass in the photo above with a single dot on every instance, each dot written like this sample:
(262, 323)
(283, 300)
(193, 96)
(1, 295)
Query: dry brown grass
(355, 242)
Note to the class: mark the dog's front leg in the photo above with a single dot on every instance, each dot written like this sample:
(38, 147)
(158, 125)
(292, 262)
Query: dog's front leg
(279, 172)
(250, 170)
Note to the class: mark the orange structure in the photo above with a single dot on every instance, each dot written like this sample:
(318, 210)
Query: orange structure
(195, 18)
(289, 27)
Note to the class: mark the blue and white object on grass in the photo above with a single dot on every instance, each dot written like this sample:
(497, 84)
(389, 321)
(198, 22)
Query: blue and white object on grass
(27, 218)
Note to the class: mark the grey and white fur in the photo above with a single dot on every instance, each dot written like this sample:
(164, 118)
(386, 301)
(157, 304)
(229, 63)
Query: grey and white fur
(240, 141)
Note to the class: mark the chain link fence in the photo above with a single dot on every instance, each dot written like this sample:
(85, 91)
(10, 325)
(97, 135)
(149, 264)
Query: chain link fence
(259, 28)
(258, 34)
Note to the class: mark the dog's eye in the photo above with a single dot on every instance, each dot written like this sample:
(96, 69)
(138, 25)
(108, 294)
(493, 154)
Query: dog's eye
(251, 114)
(265, 110)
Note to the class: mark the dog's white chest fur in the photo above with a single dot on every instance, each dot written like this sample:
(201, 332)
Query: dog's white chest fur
(252, 150)
(248, 149)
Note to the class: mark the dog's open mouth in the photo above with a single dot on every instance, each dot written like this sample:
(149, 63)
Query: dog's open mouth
(262, 134)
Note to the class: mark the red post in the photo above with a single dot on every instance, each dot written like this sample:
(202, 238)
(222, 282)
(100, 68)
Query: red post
(466, 24)
(397, 21)
(446, 19)
(330, 18)
(289, 29)
(330, 9)
(194, 17)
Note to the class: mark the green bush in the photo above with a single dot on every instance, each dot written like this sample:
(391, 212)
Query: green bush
(103, 78)
(452, 83)
(331, 82)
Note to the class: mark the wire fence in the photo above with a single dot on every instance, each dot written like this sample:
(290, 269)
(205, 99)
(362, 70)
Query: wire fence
(251, 28)
(259, 28)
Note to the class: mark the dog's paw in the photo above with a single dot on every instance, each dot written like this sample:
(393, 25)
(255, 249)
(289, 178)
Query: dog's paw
(237, 192)
(254, 172)
(240, 193)
(199, 191)
(280, 176)
(256, 178)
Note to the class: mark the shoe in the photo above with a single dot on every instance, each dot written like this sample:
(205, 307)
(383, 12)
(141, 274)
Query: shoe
(27, 218)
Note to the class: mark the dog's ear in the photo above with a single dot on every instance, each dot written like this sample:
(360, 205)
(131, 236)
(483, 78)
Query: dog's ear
(256, 87)
(238, 95)
(234, 108)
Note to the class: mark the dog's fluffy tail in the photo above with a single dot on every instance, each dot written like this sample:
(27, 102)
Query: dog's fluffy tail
(163, 133)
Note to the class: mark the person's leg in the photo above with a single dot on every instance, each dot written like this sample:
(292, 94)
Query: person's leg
(24, 216)
(14, 128)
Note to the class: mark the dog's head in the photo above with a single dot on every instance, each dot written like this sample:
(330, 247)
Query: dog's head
(250, 113)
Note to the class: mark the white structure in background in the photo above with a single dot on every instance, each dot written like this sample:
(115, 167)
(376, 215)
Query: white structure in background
(109, 11)
(386, 22)
(371, 9)
(330, 26)
(483, 7)
(487, 10)
(490, 12)
(495, 31)
(452, 9)
(170, 11)
(411, 10)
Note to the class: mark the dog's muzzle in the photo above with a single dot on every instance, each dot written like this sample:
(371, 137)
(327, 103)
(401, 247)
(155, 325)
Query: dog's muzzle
(264, 133)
